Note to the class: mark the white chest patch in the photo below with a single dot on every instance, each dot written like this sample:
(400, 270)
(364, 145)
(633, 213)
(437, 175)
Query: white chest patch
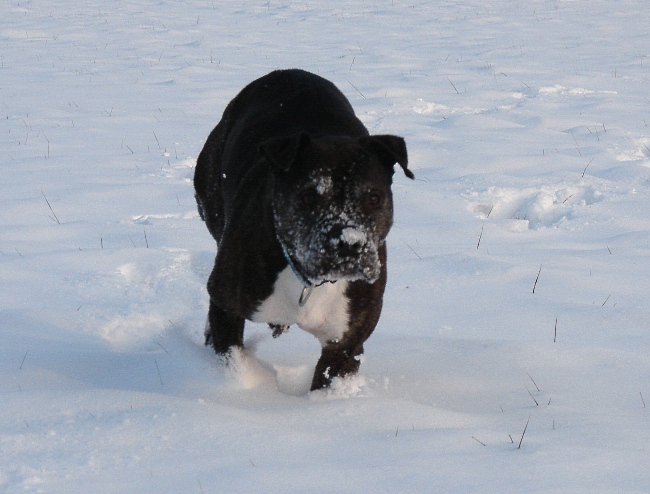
(325, 314)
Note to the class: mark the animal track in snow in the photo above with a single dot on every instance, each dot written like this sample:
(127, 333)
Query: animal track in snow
(561, 90)
(533, 207)
(641, 152)
(426, 108)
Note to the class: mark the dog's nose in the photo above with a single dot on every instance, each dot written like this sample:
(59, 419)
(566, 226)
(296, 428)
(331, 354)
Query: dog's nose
(346, 239)
(336, 232)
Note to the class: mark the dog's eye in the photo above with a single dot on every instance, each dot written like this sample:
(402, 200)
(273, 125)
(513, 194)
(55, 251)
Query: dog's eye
(374, 199)
(308, 197)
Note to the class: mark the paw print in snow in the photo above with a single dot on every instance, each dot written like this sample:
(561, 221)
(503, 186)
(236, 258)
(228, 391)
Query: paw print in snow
(532, 208)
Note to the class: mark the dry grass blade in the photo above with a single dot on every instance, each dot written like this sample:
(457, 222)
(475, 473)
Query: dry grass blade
(478, 441)
(576, 142)
(452, 85)
(23, 362)
(49, 206)
(357, 90)
(158, 369)
(412, 250)
(531, 395)
(537, 279)
(524, 433)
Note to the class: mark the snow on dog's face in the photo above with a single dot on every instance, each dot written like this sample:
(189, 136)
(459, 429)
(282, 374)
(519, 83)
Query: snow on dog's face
(332, 202)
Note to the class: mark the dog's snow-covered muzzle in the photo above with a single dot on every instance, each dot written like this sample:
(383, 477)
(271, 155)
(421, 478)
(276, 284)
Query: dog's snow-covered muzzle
(332, 253)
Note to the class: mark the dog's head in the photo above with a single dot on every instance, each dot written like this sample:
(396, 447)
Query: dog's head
(332, 201)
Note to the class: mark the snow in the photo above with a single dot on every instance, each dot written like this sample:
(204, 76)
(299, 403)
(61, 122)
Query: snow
(527, 130)
(352, 236)
(323, 185)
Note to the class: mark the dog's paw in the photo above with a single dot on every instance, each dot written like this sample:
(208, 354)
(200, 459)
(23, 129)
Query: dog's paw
(246, 371)
(340, 388)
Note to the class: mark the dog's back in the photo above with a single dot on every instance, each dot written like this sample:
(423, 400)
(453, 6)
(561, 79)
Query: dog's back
(290, 101)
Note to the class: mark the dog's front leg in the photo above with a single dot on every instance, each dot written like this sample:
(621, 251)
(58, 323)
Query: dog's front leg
(336, 360)
(224, 330)
(341, 358)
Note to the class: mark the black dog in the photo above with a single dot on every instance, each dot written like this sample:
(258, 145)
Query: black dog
(297, 196)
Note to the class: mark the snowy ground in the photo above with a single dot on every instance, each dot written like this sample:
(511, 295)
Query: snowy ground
(512, 353)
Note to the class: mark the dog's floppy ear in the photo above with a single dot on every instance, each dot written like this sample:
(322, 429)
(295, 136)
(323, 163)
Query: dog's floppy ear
(391, 149)
(281, 152)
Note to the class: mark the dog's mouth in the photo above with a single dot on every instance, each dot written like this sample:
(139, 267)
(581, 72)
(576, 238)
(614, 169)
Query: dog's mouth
(345, 253)
(351, 270)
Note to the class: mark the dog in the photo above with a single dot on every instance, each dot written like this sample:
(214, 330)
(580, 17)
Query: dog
(297, 195)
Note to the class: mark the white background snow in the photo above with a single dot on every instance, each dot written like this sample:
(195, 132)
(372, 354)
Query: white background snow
(527, 128)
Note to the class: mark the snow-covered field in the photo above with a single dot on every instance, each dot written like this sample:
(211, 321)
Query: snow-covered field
(513, 351)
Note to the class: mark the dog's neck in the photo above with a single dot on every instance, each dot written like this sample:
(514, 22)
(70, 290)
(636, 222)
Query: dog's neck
(307, 284)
